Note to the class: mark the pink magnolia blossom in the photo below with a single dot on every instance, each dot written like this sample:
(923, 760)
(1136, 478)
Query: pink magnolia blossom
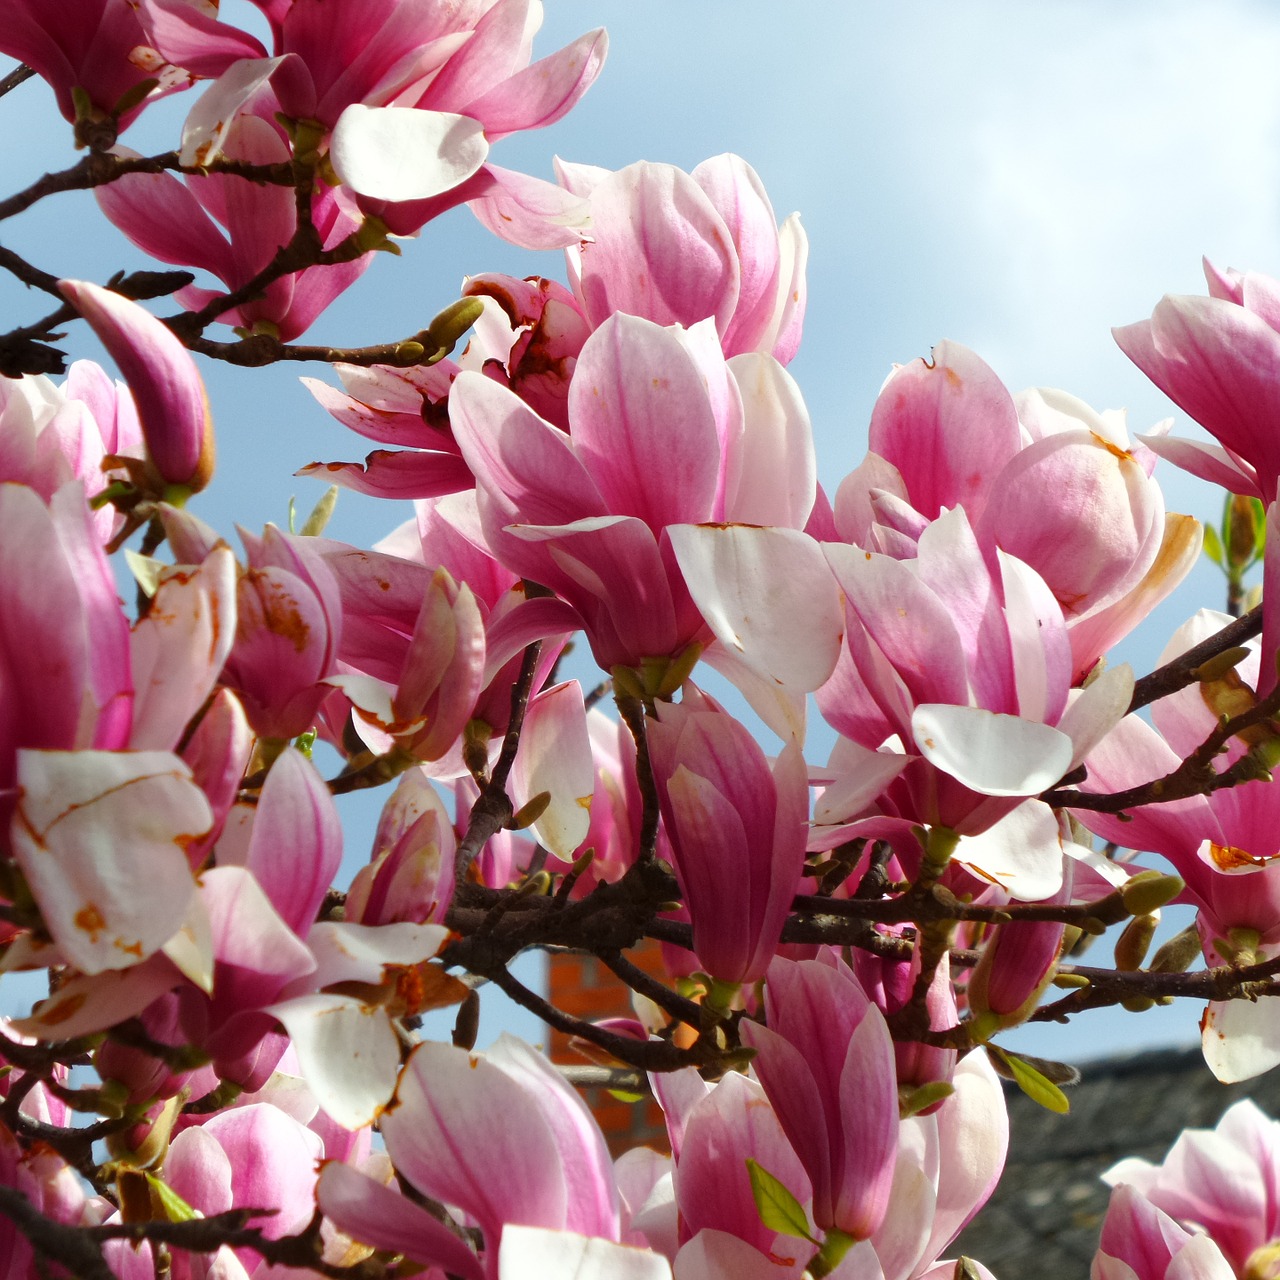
(1224, 1182)
(410, 96)
(173, 410)
(826, 1062)
(658, 437)
(411, 874)
(425, 708)
(288, 633)
(1041, 476)
(232, 229)
(500, 1137)
(737, 828)
(1218, 358)
(970, 666)
(677, 248)
(1140, 1242)
(947, 1165)
(51, 434)
(96, 47)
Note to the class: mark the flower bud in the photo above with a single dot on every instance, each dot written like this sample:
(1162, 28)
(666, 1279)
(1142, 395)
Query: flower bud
(172, 408)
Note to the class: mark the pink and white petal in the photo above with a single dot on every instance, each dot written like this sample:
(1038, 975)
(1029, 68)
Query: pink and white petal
(973, 1139)
(296, 845)
(782, 334)
(348, 1053)
(375, 1215)
(782, 710)
(716, 1255)
(191, 949)
(1022, 852)
(179, 648)
(538, 1253)
(611, 570)
(537, 619)
(401, 153)
(948, 425)
(1093, 712)
(769, 597)
(854, 509)
(1210, 462)
(1038, 641)
(860, 775)
(529, 212)
(361, 953)
(660, 250)
(905, 620)
(448, 1099)
(189, 36)
(396, 473)
(741, 200)
(247, 930)
(585, 1166)
(643, 423)
(778, 480)
(555, 757)
(83, 1005)
(272, 1159)
(526, 466)
(1240, 1039)
(101, 838)
(868, 1131)
(205, 128)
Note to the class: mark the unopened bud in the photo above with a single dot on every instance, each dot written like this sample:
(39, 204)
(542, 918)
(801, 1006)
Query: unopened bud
(1138, 1004)
(1134, 942)
(1070, 981)
(1148, 891)
(172, 409)
(1218, 666)
(531, 811)
(1244, 520)
(1178, 954)
(449, 326)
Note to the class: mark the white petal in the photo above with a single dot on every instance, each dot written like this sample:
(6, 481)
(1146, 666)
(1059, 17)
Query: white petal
(100, 836)
(1240, 1038)
(347, 1053)
(991, 753)
(1022, 852)
(536, 1253)
(768, 595)
(399, 153)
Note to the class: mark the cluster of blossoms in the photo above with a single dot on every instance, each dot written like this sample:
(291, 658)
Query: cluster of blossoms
(623, 455)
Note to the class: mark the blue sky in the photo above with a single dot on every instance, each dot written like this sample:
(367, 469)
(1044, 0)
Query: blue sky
(1016, 177)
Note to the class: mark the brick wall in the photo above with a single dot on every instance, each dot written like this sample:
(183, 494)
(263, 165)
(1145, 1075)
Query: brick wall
(582, 986)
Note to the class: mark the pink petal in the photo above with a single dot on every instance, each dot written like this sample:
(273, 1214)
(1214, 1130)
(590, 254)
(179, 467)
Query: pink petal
(375, 1215)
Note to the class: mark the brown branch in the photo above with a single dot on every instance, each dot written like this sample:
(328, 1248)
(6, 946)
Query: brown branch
(1194, 776)
(647, 1055)
(1181, 671)
(19, 75)
(632, 711)
(493, 810)
(101, 167)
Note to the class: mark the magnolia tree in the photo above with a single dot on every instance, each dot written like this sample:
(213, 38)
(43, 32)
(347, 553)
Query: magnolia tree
(227, 1077)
